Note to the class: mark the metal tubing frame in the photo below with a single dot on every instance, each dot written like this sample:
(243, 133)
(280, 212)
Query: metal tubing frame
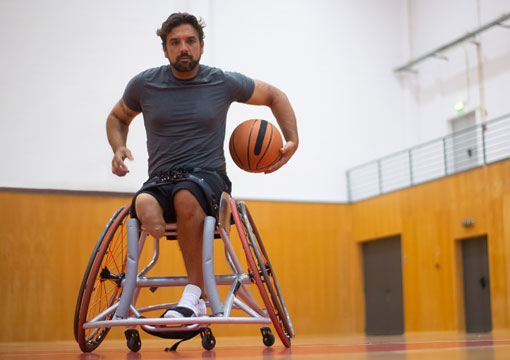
(208, 266)
(239, 297)
(203, 320)
(133, 255)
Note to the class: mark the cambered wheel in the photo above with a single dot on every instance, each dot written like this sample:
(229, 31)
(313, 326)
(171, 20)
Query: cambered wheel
(262, 272)
(102, 282)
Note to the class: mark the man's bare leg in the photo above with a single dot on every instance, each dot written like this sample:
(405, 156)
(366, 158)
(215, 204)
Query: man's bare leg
(190, 221)
(190, 227)
(150, 214)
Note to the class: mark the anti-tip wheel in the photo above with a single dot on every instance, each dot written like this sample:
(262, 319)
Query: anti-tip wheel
(267, 336)
(133, 340)
(208, 339)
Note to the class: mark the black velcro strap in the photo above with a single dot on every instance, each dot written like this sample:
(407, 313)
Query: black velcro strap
(172, 334)
(174, 346)
(173, 177)
(186, 312)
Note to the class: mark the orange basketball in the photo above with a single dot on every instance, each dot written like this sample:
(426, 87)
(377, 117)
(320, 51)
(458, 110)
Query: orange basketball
(255, 145)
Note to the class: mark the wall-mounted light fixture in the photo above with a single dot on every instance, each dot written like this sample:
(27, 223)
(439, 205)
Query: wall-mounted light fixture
(459, 107)
(468, 222)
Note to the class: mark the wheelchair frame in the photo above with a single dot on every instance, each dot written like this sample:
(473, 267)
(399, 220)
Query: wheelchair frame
(108, 299)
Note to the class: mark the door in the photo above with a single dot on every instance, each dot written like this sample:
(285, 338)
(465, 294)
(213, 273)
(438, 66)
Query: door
(476, 281)
(382, 273)
(464, 142)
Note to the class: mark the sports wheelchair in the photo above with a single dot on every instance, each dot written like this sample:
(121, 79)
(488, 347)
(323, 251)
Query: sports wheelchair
(111, 285)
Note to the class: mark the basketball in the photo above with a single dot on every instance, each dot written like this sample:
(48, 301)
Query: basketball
(255, 145)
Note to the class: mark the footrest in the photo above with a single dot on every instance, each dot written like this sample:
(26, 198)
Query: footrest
(171, 334)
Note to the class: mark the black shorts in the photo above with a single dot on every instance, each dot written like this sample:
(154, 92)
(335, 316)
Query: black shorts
(164, 190)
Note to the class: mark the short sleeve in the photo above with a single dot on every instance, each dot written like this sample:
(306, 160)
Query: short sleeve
(241, 86)
(133, 93)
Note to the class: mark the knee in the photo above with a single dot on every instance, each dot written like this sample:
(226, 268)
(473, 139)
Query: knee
(150, 214)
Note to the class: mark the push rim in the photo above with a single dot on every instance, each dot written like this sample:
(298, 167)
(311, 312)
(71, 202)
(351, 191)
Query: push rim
(276, 315)
(101, 286)
(274, 290)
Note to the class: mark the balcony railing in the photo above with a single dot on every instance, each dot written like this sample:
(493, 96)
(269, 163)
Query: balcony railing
(460, 151)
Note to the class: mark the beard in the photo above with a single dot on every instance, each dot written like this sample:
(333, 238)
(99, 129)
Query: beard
(185, 66)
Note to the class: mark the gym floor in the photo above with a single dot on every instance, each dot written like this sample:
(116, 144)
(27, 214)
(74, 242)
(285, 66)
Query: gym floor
(435, 346)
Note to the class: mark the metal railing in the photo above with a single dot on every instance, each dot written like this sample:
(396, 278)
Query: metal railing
(460, 151)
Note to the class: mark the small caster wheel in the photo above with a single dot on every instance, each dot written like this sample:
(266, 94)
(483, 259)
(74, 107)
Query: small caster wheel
(208, 340)
(267, 336)
(133, 340)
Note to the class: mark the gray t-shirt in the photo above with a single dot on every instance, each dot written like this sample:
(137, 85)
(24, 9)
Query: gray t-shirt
(185, 119)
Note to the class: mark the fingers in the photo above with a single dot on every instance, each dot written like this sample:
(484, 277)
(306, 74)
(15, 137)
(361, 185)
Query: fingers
(128, 154)
(276, 166)
(119, 168)
(286, 153)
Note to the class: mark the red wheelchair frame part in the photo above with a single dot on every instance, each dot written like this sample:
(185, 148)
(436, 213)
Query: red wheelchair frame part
(274, 290)
(91, 276)
(256, 276)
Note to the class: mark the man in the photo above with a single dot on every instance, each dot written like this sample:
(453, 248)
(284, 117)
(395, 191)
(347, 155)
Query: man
(184, 106)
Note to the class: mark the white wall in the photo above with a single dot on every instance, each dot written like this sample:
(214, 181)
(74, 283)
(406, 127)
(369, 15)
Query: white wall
(440, 83)
(333, 60)
(65, 63)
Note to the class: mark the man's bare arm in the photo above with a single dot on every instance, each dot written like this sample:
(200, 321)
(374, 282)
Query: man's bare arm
(117, 128)
(277, 101)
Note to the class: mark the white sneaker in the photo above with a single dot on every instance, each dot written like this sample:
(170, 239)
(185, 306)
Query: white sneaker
(190, 304)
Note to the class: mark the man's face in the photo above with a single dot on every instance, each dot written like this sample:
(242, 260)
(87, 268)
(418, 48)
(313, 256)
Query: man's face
(183, 48)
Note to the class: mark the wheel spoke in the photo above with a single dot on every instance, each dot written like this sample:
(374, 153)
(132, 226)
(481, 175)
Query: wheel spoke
(258, 265)
(102, 280)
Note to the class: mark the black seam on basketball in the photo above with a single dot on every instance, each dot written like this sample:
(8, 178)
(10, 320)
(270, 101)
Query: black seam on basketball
(267, 148)
(249, 142)
(260, 137)
(236, 158)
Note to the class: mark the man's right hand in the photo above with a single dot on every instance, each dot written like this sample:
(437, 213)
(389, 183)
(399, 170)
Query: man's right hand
(119, 168)
(117, 126)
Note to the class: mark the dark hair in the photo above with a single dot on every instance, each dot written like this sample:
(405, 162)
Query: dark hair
(177, 19)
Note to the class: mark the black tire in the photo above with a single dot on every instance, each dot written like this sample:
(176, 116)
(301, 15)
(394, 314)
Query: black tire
(134, 343)
(270, 278)
(267, 336)
(101, 284)
(262, 272)
(208, 339)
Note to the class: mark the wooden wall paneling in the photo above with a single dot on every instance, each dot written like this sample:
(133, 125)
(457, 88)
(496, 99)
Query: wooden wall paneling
(46, 244)
(315, 250)
(49, 238)
(309, 258)
(506, 250)
(498, 191)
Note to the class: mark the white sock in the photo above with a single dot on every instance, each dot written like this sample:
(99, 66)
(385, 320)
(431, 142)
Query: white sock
(190, 299)
(190, 295)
